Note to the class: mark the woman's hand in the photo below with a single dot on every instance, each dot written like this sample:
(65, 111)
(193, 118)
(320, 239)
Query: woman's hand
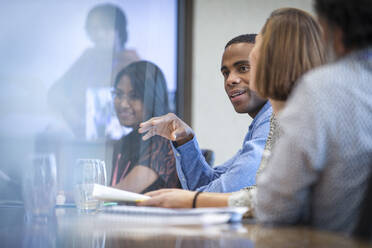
(168, 126)
(169, 198)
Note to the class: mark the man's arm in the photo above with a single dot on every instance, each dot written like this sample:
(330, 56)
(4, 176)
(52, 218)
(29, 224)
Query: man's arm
(194, 172)
(238, 172)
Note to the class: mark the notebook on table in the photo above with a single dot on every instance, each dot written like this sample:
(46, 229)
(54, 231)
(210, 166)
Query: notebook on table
(164, 215)
(228, 214)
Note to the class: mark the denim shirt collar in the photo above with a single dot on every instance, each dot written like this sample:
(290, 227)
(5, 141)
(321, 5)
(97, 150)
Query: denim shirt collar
(263, 110)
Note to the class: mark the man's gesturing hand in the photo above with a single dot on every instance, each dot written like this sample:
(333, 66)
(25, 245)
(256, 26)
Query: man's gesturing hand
(168, 126)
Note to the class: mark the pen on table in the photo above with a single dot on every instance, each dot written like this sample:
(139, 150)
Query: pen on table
(108, 204)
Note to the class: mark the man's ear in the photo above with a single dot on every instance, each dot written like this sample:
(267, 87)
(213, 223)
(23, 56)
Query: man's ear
(338, 42)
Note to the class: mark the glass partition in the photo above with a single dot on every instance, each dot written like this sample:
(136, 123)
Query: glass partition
(77, 78)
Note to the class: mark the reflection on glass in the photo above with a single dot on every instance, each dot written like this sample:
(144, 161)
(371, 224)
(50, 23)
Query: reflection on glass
(83, 238)
(40, 187)
(40, 235)
(101, 120)
(215, 243)
(139, 93)
(177, 241)
(106, 26)
(59, 60)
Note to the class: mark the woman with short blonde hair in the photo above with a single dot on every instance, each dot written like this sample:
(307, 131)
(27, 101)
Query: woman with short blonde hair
(291, 45)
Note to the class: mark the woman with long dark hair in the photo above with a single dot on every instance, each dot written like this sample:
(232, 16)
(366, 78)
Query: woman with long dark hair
(140, 93)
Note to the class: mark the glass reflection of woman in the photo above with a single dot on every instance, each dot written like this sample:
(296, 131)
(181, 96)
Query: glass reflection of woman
(140, 92)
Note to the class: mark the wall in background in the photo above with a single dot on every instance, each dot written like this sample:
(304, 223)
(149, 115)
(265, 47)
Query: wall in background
(217, 125)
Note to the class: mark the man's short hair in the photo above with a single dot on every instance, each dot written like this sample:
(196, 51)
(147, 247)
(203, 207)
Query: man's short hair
(244, 38)
(353, 17)
(291, 45)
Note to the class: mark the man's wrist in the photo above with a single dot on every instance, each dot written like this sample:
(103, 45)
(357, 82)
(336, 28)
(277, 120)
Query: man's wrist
(183, 141)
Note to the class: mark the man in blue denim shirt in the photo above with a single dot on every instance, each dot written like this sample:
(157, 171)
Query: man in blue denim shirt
(240, 171)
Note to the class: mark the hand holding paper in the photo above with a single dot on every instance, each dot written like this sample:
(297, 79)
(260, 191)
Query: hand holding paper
(110, 194)
(169, 198)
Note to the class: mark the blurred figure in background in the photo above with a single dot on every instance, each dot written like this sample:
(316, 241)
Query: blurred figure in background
(140, 93)
(106, 26)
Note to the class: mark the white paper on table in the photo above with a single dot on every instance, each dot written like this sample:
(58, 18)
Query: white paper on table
(181, 216)
(104, 193)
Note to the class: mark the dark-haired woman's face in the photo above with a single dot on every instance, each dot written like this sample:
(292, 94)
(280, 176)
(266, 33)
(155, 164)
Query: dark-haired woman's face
(128, 105)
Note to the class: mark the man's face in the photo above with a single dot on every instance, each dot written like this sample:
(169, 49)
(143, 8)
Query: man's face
(235, 68)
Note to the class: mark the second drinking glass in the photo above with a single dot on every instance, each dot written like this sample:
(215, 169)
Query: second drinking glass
(88, 172)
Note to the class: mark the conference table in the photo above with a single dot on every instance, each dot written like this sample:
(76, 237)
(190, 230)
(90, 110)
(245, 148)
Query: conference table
(69, 228)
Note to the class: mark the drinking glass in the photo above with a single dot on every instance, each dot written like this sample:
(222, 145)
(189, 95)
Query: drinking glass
(40, 187)
(88, 172)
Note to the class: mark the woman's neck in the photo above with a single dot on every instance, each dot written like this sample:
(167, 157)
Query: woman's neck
(277, 106)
